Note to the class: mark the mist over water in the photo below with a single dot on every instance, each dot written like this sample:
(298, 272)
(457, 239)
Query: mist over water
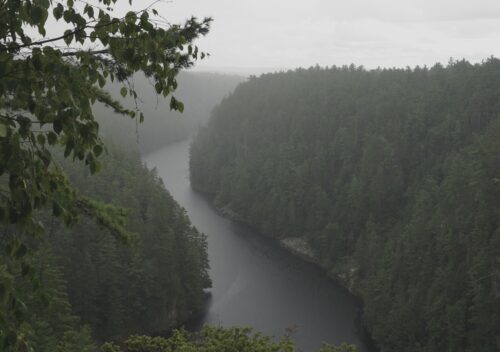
(255, 282)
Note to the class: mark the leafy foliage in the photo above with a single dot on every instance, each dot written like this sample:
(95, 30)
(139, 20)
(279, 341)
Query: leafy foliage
(46, 92)
(46, 97)
(212, 339)
(390, 175)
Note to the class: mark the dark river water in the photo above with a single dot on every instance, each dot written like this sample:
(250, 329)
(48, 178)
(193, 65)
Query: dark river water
(255, 282)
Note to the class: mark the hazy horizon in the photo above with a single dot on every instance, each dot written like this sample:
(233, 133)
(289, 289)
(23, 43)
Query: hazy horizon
(257, 71)
(251, 38)
(257, 37)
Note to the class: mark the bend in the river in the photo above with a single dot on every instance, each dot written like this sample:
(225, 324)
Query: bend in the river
(255, 282)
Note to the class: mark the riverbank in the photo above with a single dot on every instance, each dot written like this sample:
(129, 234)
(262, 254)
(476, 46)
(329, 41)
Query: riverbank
(299, 248)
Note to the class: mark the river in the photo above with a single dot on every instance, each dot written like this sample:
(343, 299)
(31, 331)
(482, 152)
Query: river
(255, 282)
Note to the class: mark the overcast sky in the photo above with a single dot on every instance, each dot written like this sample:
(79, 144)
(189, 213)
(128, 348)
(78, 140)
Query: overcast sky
(255, 35)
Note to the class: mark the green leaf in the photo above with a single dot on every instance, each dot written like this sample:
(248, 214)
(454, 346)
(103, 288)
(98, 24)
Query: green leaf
(90, 11)
(158, 87)
(58, 11)
(102, 81)
(36, 14)
(131, 17)
(176, 105)
(123, 92)
(68, 36)
(180, 106)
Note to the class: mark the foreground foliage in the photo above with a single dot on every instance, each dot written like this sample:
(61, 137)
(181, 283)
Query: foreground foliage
(392, 177)
(48, 85)
(212, 339)
(47, 91)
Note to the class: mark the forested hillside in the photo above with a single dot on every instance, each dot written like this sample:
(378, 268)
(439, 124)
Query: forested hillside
(199, 92)
(95, 288)
(390, 177)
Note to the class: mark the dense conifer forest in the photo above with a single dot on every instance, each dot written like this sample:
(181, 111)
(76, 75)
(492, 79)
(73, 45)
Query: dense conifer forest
(95, 288)
(389, 177)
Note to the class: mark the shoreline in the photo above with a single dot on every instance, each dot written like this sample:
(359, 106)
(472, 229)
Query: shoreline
(305, 255)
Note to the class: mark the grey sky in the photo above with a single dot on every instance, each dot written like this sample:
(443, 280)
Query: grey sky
(256, 35)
